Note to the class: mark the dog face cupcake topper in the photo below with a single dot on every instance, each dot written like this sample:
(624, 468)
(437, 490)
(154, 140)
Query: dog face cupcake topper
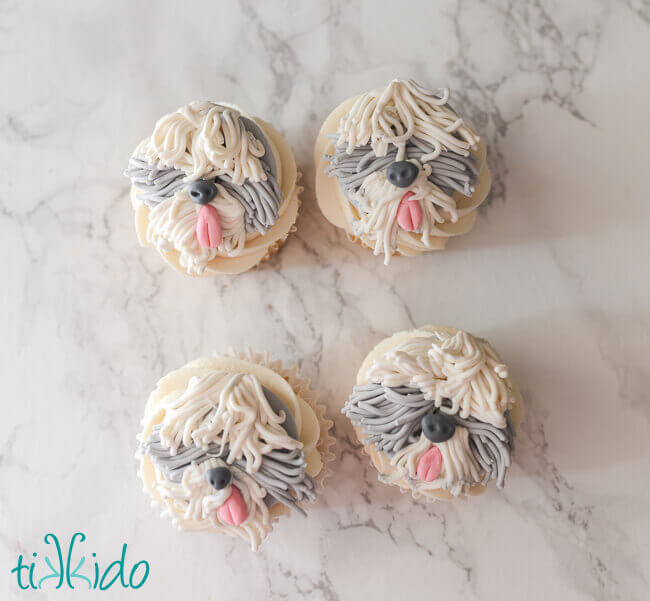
(436, 410)
(224, 451)
(210, 180)
(409, 167)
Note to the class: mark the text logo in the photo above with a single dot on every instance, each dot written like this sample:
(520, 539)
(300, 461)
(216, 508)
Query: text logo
(66, 566)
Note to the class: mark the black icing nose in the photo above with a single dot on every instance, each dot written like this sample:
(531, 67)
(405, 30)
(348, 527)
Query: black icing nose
(202, 191)
(402, 173)
(438, 427)
(218, 477)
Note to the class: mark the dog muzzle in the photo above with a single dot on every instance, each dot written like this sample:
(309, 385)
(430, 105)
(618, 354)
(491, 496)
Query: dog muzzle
(208, 225)
(231, 505)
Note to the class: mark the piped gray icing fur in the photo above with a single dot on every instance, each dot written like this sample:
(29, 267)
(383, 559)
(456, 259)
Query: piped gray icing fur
(281, 473)
(450, 171)
(268, 158)
(390, 419)
(278, 406)
(491, 446)
(154, 184)
(261, 200)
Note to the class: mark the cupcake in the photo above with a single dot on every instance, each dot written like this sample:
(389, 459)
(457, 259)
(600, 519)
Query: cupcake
(436, 411)
(214, 190)
(232, 442)
(399, 170)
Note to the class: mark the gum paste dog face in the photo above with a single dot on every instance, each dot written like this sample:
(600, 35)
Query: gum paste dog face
(209, 178)
(400, 155)
(438, 408)
(226, 450)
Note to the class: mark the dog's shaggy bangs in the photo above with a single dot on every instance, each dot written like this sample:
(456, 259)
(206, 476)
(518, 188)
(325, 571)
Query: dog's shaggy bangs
(390, 418)
(282, 473)
(450, 171)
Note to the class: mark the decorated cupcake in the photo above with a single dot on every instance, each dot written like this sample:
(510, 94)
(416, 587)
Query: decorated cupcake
(214, 190)
(232, 442)
(436, 411)
(399, 170)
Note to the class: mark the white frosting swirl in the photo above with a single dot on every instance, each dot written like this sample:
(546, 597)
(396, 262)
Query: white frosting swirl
(459, 467)
(215, 412)
(205, 140)
(172, 226)
(459, 367)
(194, 504)
(227, 409)
(378, 201)
(400, 111)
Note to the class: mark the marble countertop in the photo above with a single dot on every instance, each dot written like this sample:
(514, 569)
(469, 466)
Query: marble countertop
(555, 275)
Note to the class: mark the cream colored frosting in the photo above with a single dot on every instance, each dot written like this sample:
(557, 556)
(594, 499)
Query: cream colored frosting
(412, 111)
(170, 227)
(227, 409)
(205, 140)
(400, 111)
(378, 201)
(456, 366)
(194, 505)
(442, 362)
(458, 465)
(220, 400)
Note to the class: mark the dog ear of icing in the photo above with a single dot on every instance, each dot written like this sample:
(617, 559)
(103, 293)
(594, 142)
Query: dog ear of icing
(305, 419)
(258, 246)
(339, 211)
(516, 411)
(381, 461)
(268, 158)
(278, 407)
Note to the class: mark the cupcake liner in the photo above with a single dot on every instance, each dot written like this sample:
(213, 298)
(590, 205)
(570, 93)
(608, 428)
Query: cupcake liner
(429, 496)
(335, 206)
(382, 463)
(278, 244)
(259, 247)
(301, 387)
(149, 475)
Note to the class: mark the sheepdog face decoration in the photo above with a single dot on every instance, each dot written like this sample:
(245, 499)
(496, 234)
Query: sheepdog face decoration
(225, 451)
(435, 412)
(409, 166)
(209, 178)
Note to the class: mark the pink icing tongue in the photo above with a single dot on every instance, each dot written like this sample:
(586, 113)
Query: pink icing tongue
(409, 213)
(208, 227)
(429, 465)
(234, 511)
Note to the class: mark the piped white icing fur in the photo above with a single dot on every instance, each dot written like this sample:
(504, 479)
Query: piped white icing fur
(400, 111)
(227, 409)
(172, 226)
(378, 201)
(205, 140)
(207, 406)
(457, 366)
(194, 504)
(459, 468)
(462, 375)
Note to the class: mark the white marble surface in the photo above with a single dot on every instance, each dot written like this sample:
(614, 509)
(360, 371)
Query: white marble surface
(555, 274)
